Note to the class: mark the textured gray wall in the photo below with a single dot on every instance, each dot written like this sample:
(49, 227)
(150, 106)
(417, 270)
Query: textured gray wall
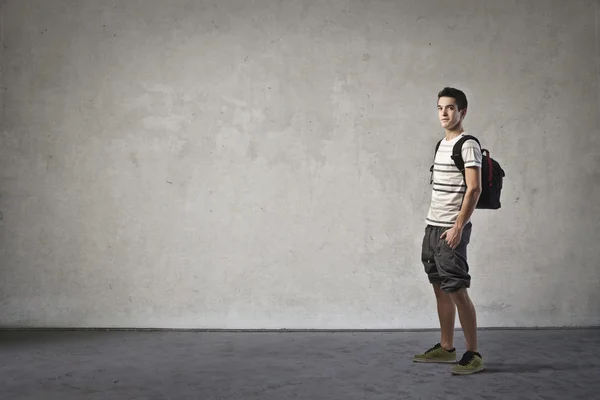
(265, 164)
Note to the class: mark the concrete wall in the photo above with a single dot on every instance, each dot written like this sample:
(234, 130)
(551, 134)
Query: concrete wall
(265, 164)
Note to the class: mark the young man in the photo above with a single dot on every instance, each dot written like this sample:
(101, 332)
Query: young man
(447, 234)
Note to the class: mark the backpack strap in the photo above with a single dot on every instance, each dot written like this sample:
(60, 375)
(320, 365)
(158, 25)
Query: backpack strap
(457, 157)
(437, 146)
(457, 152)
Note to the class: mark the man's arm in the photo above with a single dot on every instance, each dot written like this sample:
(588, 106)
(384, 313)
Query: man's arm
(473, 181)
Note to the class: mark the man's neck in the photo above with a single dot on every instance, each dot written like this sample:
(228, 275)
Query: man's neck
(451, 134)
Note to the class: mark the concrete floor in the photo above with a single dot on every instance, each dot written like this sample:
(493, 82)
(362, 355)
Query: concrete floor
(559, 364)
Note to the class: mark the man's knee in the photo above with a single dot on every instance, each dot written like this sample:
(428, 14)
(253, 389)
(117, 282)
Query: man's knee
(441, 294)
(460, 296)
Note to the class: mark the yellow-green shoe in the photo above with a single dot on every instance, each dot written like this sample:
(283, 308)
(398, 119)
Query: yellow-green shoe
(437, 354)
(470, 363)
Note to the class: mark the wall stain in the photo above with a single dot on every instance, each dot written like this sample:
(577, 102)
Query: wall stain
(134, 160)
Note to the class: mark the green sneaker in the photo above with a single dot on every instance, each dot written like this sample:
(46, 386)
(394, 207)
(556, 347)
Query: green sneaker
(470, 363)
(436, 354)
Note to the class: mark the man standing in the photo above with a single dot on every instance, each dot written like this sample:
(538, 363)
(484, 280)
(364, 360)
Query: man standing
(447, 234)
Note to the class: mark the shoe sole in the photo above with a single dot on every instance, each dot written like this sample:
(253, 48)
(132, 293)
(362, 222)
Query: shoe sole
(434, 361)
(468, 372)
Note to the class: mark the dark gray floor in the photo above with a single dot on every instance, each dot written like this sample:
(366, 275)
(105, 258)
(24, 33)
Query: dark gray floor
(561, 364)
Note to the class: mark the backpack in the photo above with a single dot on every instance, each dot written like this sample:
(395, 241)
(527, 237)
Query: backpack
(492, 174)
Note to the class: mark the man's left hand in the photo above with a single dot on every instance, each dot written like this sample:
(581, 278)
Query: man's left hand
(453, 237)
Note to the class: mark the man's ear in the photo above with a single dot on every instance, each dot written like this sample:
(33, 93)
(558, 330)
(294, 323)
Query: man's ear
(463, 113)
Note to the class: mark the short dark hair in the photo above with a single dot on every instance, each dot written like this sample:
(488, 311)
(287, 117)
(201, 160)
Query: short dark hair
(456, 94)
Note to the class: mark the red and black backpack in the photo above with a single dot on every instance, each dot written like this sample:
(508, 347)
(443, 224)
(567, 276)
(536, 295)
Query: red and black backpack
(492, 174)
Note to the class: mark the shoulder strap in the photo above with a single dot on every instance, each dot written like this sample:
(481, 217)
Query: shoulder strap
(437, 146)
(457, 151)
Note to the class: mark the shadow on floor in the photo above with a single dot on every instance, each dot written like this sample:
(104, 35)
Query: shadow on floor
(524, 368)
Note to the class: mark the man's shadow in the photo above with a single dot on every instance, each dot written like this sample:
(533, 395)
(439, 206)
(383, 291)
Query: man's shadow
(510, 368)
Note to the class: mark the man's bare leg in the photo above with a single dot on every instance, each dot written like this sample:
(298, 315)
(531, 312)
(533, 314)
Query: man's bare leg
(467, 316)
(447, 313)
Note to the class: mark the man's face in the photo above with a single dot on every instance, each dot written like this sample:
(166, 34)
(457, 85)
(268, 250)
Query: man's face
(448, 112)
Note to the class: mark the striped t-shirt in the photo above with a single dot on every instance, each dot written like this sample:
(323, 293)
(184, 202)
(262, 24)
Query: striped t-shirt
(448, 182)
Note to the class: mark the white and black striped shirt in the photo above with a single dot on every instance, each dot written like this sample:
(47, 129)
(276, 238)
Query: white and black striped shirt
(448, 182)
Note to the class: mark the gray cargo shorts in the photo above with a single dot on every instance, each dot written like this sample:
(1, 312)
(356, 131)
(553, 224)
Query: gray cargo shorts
(444, 265)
